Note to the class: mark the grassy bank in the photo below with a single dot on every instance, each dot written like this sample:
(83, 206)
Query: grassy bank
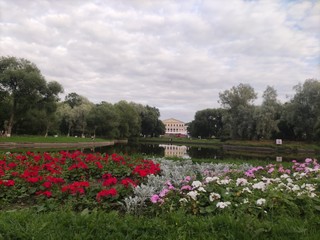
(287, 145)
(28, 224)
(41, 139)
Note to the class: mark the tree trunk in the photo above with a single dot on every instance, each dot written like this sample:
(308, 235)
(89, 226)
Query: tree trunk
(10, 125)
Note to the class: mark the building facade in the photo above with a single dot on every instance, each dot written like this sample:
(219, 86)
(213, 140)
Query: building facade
(175, 127)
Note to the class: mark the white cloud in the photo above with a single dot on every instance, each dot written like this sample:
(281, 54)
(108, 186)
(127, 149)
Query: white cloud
(174, 55)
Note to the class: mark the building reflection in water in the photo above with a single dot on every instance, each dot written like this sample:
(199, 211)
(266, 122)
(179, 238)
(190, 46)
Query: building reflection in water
(175, 151)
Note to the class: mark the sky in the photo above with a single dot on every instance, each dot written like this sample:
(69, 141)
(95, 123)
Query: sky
(175, 55)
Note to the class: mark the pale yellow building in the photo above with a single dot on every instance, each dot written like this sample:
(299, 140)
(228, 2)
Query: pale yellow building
(175, 151)
(175, 127)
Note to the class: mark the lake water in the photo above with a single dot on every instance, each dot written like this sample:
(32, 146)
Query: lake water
(186, 152)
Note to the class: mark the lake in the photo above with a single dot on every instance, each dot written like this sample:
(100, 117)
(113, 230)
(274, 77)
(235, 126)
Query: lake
(186, 152)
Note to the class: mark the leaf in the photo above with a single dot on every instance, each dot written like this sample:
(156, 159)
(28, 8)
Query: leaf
(317, 208)
(85, 212)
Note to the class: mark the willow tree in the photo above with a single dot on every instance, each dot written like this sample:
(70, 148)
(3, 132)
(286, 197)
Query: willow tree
(239, 103)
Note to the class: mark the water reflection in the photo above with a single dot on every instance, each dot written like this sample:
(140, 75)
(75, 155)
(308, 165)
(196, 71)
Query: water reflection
(181, 151)
(175, 151)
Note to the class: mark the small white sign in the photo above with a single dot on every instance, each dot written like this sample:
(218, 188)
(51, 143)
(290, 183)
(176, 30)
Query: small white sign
(279, 141)
(279, 159)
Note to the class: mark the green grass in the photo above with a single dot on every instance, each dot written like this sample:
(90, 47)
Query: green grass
(41, 139)
(287, 145)
(28, 224)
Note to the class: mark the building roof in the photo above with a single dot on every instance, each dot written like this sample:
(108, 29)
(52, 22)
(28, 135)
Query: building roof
(172, 120)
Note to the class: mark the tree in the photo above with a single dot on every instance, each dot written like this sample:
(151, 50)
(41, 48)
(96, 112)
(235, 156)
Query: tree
(150, 122)
(103, 120)
(239, 103)
(22, 86)
(207, 123)
(129, 124)
(304, 111)
(268, 114)
(49, 104)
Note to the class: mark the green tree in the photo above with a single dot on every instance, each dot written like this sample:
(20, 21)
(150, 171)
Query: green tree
(304, 111)
(22, 86)
(207, 123)
(129, 124)
(239, 103)
(103, 120)
(267, 115)
(150, 122)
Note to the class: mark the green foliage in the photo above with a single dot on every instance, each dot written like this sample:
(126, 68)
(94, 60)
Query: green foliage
(239, 103)
(22, 88)
(63, 224)
(208, 123)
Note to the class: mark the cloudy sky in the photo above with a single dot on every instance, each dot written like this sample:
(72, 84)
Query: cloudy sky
(176, 55)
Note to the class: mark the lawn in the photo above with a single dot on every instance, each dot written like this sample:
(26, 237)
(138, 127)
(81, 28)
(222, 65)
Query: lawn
(51, 139)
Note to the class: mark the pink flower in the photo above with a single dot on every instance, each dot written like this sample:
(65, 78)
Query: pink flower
(187, 187)
(308, 160)
(271, 170)
(164, 192)
(155, 198)
(187, 178)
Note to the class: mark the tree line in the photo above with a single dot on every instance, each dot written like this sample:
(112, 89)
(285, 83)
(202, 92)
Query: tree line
(239, 118)
(31, 105)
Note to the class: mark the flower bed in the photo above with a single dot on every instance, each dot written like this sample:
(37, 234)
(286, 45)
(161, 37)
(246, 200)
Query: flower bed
(113, 182)
(259, 191)
(76, 179)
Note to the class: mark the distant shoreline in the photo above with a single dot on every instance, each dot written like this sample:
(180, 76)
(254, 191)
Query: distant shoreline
(13, 145)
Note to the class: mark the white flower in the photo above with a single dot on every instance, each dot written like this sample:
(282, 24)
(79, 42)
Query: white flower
(211, 179)
(312, 195)
(223, 204)
(183, 200)
(261, 201)
(193, 194)
(289, 180)
(276, 180)
(201, 189)
(196, 184)
(224, 181)
(246, 189)
(241, 181)
(259, 185)
(284, 176)
(214, 196)
(310, 187)
(295, 188)
(245, 200)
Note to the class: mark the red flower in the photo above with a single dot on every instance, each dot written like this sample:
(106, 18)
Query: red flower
(110, 181)
(76, 187)
(12, 165)
(55, 180)
(7, 183)
(47, 184)
(45, 193)
(125, 182)
(105, 193)
(34, 179)
(99, 165)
